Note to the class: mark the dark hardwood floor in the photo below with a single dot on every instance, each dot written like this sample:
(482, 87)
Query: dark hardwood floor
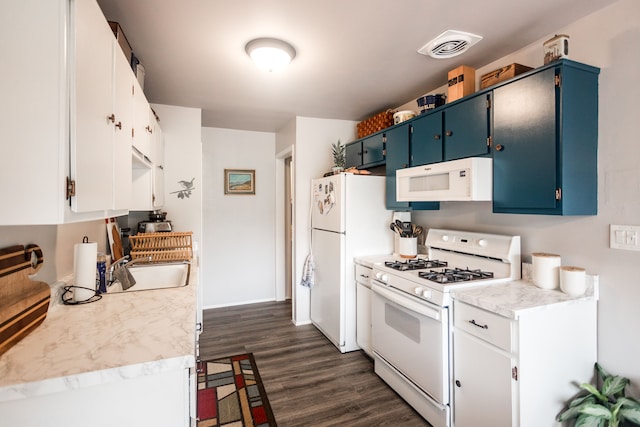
(308, 381)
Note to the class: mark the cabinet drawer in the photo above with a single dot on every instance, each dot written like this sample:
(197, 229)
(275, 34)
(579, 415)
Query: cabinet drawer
(363, 274)
(490, 327)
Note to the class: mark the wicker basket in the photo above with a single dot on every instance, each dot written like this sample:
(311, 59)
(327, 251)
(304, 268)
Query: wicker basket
(162, 247)
(374, 124)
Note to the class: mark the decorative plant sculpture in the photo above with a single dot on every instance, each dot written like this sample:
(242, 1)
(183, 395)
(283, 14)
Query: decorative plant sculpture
(608, 407)
(338, 152)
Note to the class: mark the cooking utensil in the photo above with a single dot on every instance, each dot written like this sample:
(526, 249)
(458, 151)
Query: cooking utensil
(395, 228)
(407, 229)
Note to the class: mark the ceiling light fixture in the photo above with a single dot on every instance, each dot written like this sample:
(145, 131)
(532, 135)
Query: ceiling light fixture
(449, 44)
(270, 54)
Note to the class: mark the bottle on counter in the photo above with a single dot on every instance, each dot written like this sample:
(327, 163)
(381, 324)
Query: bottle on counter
(101, 274)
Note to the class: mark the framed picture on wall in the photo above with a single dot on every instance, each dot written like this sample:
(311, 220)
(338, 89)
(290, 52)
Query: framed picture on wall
(239, 181)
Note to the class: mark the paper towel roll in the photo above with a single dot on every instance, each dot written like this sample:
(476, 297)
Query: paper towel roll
(572, 280)
(544, 270)
(84, 270)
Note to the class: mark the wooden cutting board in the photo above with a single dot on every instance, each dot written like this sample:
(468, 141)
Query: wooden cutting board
(116, 249)
(23, 303)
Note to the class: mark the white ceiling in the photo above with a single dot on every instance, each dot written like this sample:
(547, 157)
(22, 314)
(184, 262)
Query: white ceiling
(354, 59)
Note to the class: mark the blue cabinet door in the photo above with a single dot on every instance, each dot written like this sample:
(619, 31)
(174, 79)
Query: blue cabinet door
(397, 158)
(353, 154)
(397, 142)
(524, 136)
(466, 127)
(426, 139)
(545, 136)
(373, 150)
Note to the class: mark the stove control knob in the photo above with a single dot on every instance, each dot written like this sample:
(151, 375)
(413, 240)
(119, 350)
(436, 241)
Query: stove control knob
(381, 276)
(482, 243)
(418, 291)
(445, 238)
(426, 294)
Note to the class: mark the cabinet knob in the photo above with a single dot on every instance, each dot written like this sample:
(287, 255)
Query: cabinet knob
(436, 136)
(499, 147)
(448, 133)
(112, 118)
(149, 129)
(118, 125)
(366, 151)
(458, 383)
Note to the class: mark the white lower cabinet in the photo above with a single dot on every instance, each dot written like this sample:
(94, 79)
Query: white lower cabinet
(159, 399)
(520, 371)
(363, 308)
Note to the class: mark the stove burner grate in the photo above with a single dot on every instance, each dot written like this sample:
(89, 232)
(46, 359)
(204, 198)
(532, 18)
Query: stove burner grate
(455, 275)
(415, 264)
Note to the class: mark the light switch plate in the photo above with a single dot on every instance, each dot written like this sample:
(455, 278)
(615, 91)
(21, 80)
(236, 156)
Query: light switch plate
(626, 237)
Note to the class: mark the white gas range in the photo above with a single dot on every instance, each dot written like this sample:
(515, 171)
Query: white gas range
(410, 311)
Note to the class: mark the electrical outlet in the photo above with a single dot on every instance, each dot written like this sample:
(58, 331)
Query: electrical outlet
(624, 237)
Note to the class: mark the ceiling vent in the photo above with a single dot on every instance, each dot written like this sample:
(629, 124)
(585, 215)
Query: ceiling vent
(449, 44)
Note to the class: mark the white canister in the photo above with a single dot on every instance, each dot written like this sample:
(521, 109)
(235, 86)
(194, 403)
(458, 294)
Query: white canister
(408, 247)
(402, 116)
(573, 280)
(544, 270)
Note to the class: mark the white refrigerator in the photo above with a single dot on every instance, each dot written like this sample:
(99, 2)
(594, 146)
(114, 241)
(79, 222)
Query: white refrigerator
(348, 218)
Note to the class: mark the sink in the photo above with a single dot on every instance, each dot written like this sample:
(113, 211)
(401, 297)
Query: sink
(155, 276)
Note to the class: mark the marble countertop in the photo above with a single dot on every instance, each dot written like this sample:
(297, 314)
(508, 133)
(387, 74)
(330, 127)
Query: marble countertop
(123, 335)
(369, 260)
(513, 299)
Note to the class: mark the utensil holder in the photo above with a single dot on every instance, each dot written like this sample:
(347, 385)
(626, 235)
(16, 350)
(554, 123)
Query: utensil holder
(408, 247)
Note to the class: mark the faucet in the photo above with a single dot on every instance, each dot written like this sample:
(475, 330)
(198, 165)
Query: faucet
(123, 262)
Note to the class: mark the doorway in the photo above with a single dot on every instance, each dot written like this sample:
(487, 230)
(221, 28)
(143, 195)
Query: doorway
(285, 223)
(288, 228)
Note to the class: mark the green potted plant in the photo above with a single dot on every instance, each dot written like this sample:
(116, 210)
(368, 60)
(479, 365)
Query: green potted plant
(607, 407)
(338, 153)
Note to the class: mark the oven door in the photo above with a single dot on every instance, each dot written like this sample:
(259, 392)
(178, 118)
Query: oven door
(413, 337)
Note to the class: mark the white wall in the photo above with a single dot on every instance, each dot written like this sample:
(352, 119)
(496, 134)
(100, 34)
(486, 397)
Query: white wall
(182, 129)
(239, 230)
(608, 39)
(312, 159)
(56, 242)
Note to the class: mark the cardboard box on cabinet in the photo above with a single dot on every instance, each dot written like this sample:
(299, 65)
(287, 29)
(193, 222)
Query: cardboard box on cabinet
(461, 82)
(502, 74)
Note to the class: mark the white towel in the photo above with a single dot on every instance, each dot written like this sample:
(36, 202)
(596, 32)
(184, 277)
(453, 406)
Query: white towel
(307, 272)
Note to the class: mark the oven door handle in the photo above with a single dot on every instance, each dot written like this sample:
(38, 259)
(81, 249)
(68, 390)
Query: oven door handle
(406, 302)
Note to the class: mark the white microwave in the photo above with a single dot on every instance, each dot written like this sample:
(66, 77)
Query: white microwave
(456, 180)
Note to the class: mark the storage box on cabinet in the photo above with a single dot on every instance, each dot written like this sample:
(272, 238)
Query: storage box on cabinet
(548, 165)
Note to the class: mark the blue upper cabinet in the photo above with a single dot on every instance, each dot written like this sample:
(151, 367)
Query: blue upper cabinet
(466, 127)
(398, 141)
(426, 139)
(353, 154)
(366, 152)
(545, 137)
(373, 150)
(453, 132)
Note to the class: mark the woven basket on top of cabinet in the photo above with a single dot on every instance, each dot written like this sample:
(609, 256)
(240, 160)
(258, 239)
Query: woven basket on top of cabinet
(162, 247)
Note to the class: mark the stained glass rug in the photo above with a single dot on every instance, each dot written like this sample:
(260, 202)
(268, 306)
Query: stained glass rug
(231, 394)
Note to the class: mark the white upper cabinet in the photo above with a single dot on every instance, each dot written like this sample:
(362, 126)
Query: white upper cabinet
(142, 126)
(33, 112)
(70, 110)
(92, 109)
(123, 129)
